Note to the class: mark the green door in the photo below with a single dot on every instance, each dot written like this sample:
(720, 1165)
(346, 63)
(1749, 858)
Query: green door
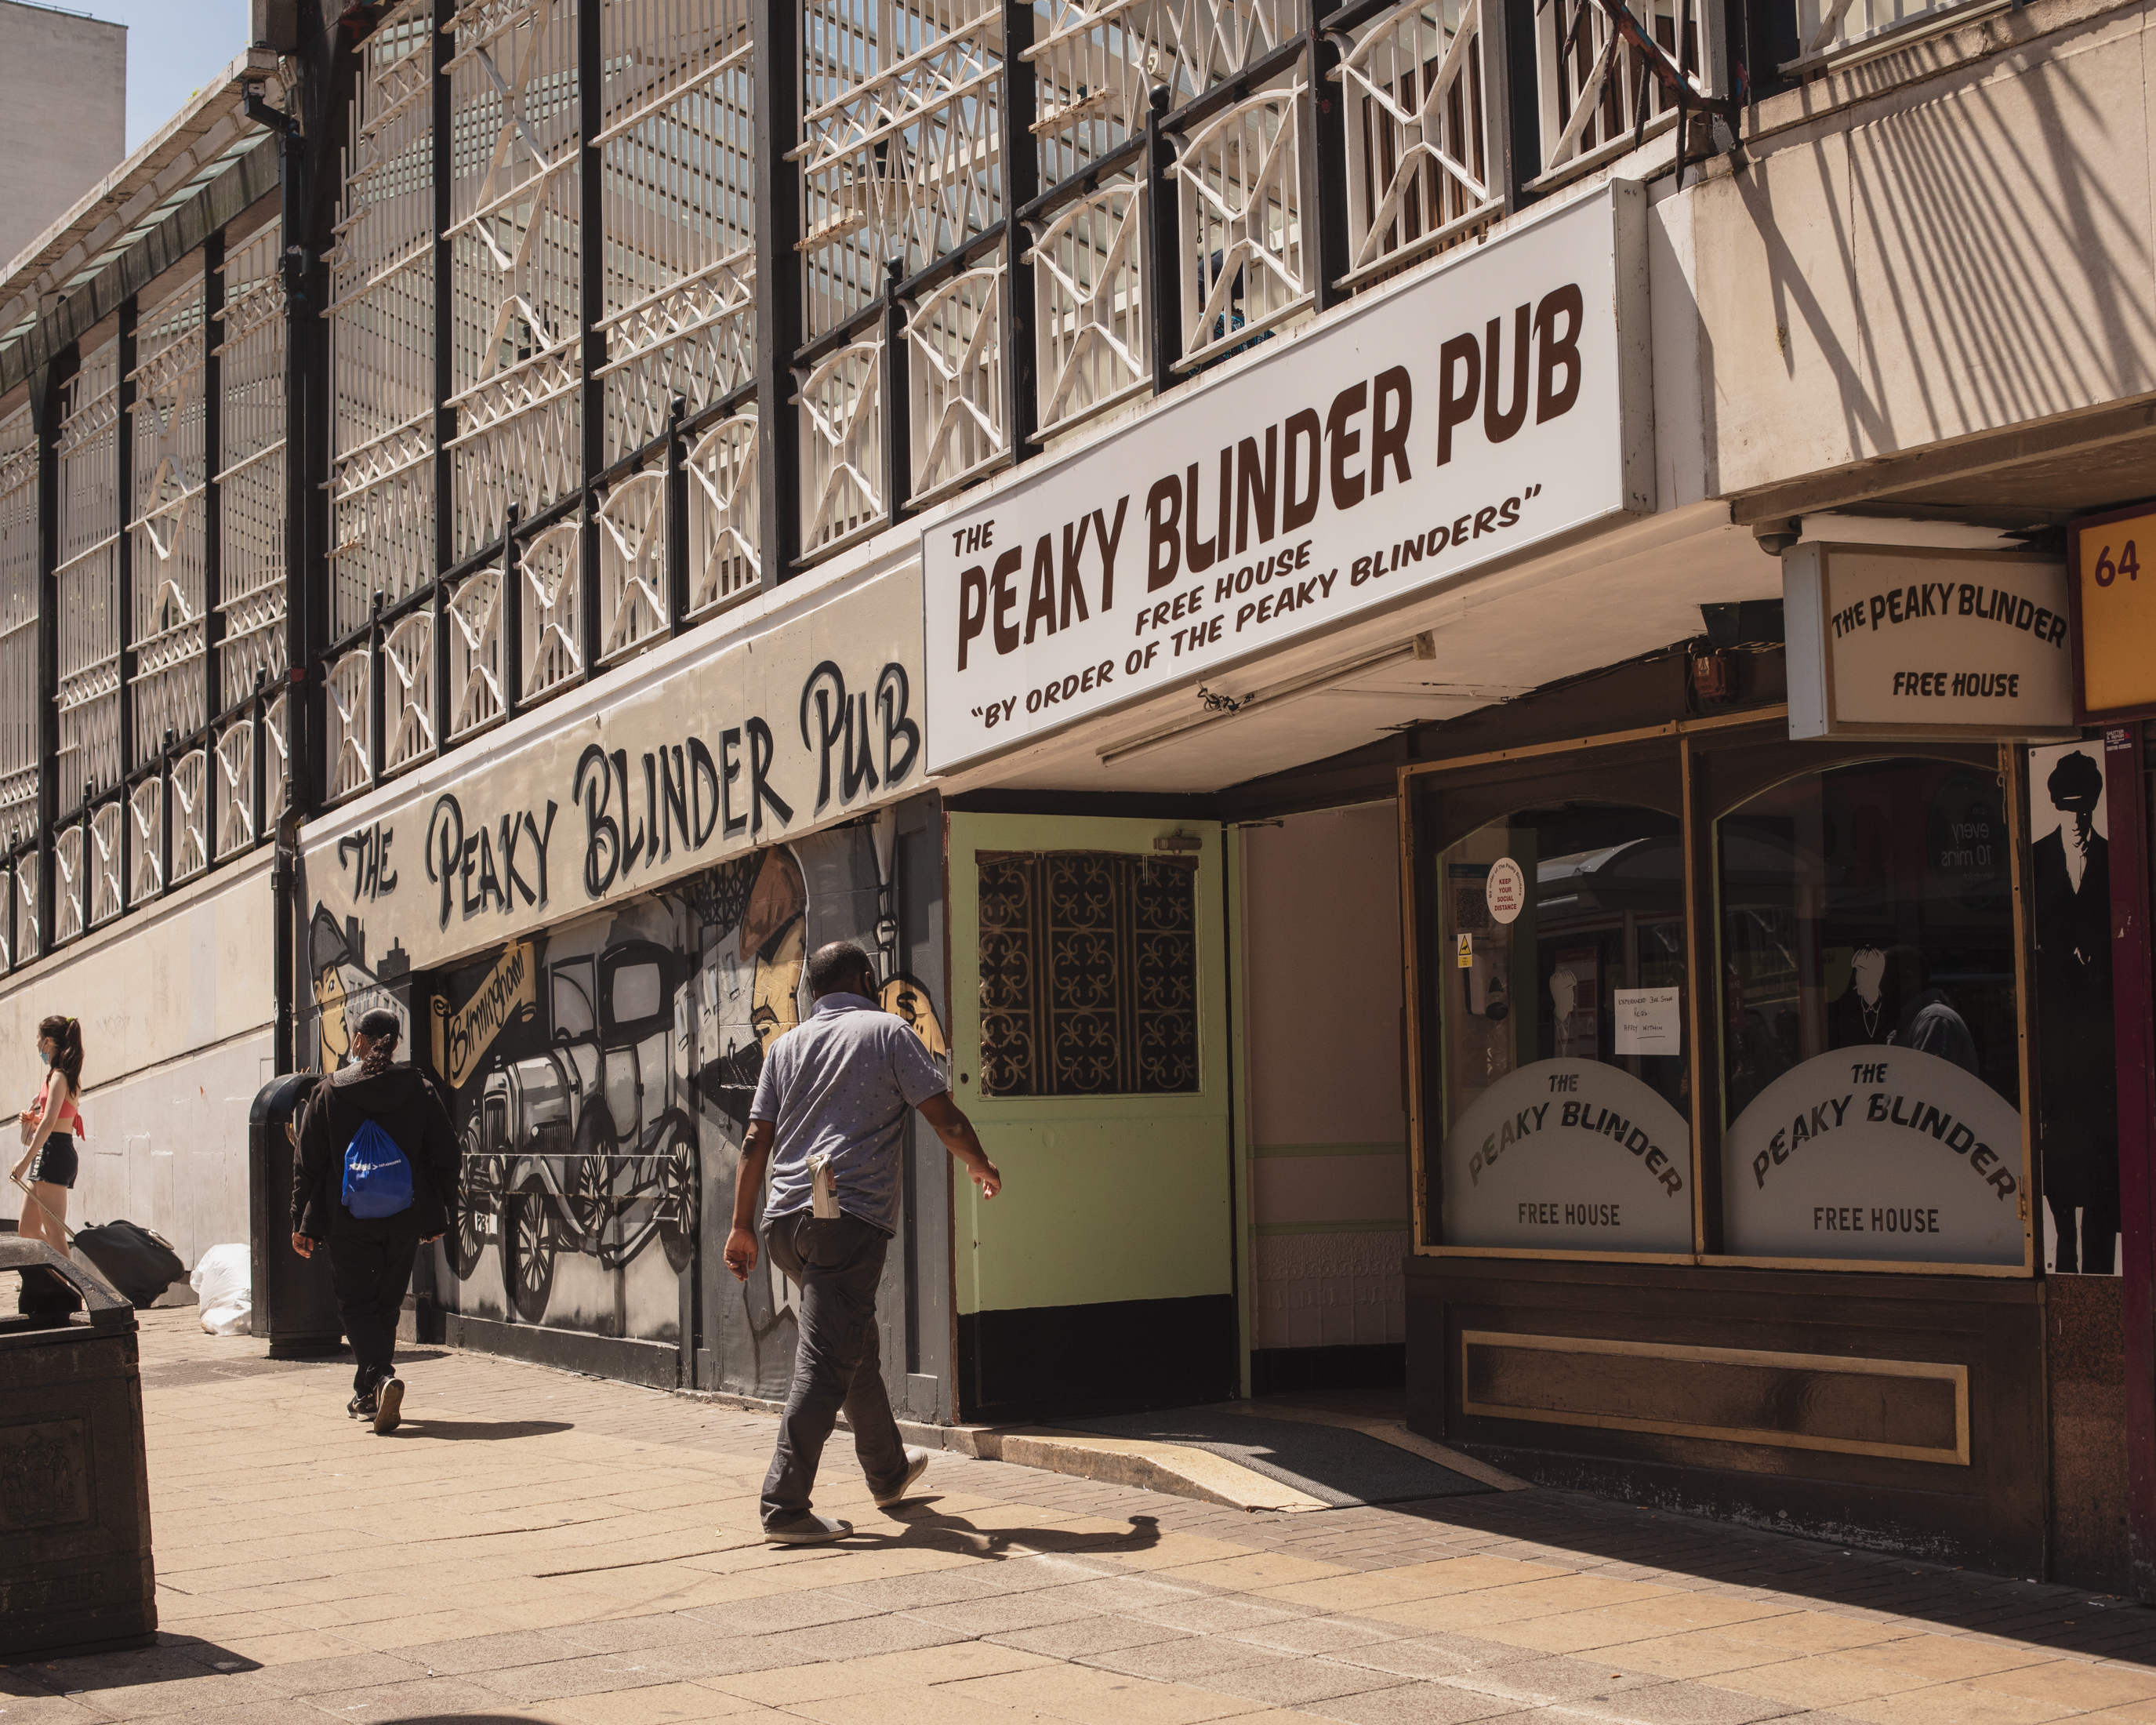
(1090, 1043)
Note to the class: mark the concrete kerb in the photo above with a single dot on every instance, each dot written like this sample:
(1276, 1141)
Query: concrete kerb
(1174, 1470)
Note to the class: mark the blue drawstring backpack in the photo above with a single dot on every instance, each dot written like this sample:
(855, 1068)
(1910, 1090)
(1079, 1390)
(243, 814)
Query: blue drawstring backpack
(378, 1180)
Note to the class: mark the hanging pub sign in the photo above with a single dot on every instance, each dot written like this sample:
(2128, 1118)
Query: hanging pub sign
(1911, 641)
(815, 720)
(1470, 413)
(2114, 606)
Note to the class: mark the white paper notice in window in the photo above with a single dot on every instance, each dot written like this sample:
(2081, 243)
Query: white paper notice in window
(1649, 1022)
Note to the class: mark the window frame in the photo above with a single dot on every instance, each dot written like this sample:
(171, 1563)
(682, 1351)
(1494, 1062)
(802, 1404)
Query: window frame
(1694, 743)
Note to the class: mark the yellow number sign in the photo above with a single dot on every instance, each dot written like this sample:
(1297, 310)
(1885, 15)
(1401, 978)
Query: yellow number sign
(2114, 573)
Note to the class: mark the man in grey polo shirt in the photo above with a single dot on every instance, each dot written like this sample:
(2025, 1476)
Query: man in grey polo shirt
(832, 1099)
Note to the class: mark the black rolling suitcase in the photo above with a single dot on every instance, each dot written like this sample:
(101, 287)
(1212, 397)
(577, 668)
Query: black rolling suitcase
(138, 1262)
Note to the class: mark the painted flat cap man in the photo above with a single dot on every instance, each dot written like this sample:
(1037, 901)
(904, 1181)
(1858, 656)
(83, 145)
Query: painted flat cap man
(377, 1178)
(829, 1118)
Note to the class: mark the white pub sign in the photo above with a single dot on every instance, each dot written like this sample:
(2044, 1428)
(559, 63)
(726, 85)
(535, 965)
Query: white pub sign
(1893, 640)
(1498, 401)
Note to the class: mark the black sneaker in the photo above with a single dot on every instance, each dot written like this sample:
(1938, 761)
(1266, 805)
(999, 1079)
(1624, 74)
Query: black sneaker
(388, 1399)
(362, 1406)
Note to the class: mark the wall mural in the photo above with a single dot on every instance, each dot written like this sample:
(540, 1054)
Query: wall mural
(594, 934)
(599, 1075)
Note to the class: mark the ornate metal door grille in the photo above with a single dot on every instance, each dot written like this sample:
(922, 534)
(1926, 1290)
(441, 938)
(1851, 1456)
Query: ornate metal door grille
(1089, 974)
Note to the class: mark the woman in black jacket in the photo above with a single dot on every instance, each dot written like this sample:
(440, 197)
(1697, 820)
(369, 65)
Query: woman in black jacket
(371, 1257)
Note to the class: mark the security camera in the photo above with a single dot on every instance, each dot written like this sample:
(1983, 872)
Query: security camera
(1776, 538)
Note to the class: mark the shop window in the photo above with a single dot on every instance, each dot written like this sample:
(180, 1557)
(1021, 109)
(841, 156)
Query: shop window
(1871, 1080)
(1089, 974)
(1557, 971)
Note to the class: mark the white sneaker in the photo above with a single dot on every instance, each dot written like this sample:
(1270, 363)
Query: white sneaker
(916, 1464)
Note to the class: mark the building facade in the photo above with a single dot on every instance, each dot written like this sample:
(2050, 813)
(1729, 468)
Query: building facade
(1436, 645)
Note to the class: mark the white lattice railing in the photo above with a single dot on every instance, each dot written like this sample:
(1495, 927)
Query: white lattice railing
(677, 148)
(30, 924)
(1096, 63)
(515, 244)
(408, 687)
(165, 517)
(87, 582)
(475, 650)
(277, 744)
(252, 505)
(955, 382)
(1239, 207)
(235, 788)
(1828, 29)
(552, 646)
(192, 782)
(108, 839)
(146, 807)
(89, 703)
(1419, 119)
(1091, 317)
(20, 699)
(348, 711)
(842, 487)
(381, 328)
(68, 877)
(632, 529)
(1598, 97)
(901, 143)
(726, 559)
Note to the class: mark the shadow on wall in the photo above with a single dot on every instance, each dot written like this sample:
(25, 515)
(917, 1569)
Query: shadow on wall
(1968, 262)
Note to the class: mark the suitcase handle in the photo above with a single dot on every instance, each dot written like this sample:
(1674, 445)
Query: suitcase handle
(29, 1193)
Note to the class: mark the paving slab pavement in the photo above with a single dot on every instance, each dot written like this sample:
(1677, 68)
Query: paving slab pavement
(538, 1546)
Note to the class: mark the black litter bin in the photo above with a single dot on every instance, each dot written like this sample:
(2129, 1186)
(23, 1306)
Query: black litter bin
(75, 1573)
(295, 1306)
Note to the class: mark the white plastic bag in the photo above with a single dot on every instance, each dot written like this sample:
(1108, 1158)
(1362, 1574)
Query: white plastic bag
(223, 1282)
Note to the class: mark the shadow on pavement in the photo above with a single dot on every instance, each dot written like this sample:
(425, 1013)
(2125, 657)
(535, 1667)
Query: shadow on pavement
(478, 1430)
(921, 1529)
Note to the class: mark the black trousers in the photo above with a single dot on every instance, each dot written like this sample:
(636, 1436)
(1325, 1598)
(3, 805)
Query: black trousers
(837, 1363)
(371, 1268)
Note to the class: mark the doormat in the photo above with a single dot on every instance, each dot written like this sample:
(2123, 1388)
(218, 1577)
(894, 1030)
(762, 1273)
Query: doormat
(1333, 1464)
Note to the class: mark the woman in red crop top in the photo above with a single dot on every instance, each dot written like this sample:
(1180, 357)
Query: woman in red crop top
(49, 1126)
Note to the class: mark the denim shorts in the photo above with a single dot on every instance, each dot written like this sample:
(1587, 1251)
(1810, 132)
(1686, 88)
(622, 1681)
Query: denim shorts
(57, 1163)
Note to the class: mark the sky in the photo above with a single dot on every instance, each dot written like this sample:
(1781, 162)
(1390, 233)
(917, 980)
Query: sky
(174, 46)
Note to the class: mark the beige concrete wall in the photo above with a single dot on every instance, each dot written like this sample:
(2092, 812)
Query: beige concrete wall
(1964, 252)
(63, 114)
(176, 1007)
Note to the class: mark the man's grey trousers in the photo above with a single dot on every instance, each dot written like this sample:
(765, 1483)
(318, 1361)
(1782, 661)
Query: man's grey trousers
(837, 1262)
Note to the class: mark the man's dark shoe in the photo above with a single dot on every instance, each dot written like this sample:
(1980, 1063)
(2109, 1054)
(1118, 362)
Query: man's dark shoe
(809, 1530)
(362, 1406)
(389, 1400)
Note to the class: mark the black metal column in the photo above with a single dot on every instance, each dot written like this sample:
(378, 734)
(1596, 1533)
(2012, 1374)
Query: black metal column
(1325, 165)
(1163, 275)
(897, 401)
(49, 393)
(443, 50)
(590, 307)
(212, 518)
(1021, 167)
(776, 25)
(123, 617)
(677, 504)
